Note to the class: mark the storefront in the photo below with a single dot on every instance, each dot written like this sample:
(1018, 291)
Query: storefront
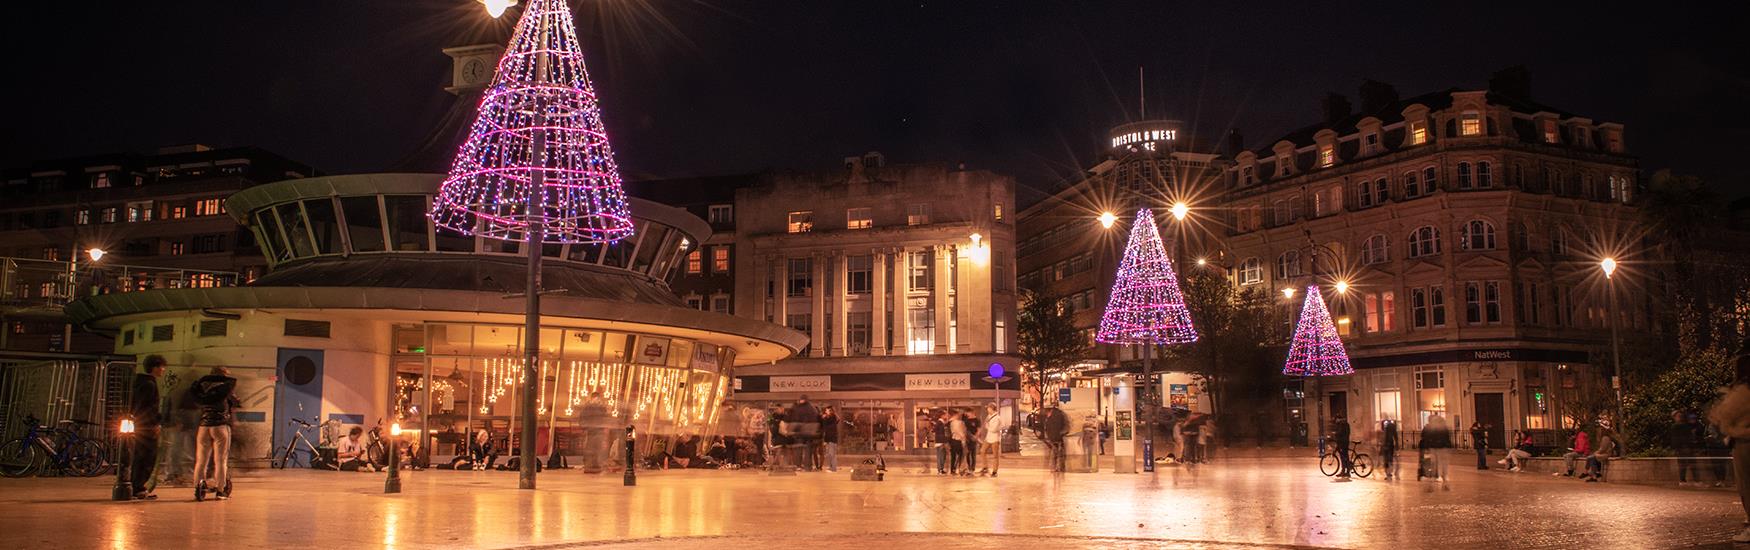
(1505, 389)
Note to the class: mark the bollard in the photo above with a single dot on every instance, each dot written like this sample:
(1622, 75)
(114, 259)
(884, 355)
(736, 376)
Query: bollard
(124, 487)
(392, 484)
(631, 462)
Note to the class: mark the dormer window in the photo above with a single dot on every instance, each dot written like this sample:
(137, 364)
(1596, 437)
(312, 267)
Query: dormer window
(1284, 164)
(1369, 144)
(1327, 156)
(1418, 132)
(1580, 135)
(1470, 124)
(1550, 135)
(1246, 175)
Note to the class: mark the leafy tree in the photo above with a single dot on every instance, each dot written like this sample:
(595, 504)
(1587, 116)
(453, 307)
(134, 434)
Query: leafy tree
(1237, 356)
(1047, 339)
(1689, 386)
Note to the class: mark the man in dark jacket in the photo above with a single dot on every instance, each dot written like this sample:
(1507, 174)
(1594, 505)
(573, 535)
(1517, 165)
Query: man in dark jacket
(829, 437)
(1053, 426)
(1340, 432)
(216, 393)
(804, 422)
(144, 407)
(1479, 440)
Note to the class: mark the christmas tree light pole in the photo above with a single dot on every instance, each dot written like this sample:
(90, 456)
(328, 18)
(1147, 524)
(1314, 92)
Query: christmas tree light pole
(537, 168)
(1317, 350)
(1146, 308)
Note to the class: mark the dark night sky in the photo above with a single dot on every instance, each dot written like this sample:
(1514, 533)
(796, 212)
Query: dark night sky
(715, 86)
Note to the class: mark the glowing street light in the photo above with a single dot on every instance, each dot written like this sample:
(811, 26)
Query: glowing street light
(1180, 210)
(1342, 287)
(1202, 261)
(1107, 219)
(1288, 292)
(1609, 266)
(95, 253)
(496, 8)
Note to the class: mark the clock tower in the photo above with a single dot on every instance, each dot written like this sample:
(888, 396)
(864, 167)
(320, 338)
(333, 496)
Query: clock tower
(472, 67)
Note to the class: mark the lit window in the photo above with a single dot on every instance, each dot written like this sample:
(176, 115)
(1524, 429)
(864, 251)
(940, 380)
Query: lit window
(695, 265)
(997, 211)
(858, 218)
(921, 322)
(720, 258)
(100, 181)
(801, 222)
(107, 215)
(917, 214)
(1550, 134)
(1418, 132)
(52, 253)
(1386, 310)
(82, 217)
(1370, 313)
(178, 212)
(1327, 155)
(176, 248)
(209, 207)
(1470, 124)
(139, 211)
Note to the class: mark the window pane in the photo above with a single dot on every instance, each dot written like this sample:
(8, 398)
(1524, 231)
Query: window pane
(364, 225)
(407, 223)
(324, 224)
(296, 231)
(270, 227)
(653, 238)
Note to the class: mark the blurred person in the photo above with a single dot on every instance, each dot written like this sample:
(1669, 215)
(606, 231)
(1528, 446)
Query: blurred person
(974, 428)
(957, 437)
(1436, 444)
(1607, 448)
(729, 428)
(1340, 432)
(1522, 447)
(145, 408)
(804, 427)
(1053, 427)
(1732, 416)
(1388, 448)
(830, 425)
(1684, 437)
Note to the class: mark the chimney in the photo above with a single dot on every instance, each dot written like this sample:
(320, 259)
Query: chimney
(1336, 107)
(1512, 82)
(1376, 95)
(1236, 143)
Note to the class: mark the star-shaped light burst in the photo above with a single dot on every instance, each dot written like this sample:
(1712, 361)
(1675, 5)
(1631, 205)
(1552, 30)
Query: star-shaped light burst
(1146, 306)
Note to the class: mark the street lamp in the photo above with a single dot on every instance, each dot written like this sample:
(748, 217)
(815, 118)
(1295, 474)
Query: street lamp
(1107, 219)
(123, 489)
(1342, 287)
(1202, 262)
(96, 254)
(1609, 266)
(496, 8)
(1288, 293)
(393, 483)
(996, 380)
(1180, 210)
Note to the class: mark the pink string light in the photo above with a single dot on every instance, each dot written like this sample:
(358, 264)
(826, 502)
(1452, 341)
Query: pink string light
(488, 187)
(1146, 306)
(1317, 350)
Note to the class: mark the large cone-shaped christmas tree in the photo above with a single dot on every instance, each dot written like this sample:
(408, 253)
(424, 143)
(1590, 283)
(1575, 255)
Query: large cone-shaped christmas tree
(1145, 306)
(539, 121)
(1316, 351)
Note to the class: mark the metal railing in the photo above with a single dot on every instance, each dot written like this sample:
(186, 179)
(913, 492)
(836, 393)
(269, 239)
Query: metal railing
(29, 283)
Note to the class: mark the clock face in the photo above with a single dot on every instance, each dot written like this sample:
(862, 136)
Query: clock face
(473, 71)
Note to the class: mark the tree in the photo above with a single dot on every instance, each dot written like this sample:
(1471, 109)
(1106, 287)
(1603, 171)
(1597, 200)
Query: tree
(1243, 331)
(1047, 339)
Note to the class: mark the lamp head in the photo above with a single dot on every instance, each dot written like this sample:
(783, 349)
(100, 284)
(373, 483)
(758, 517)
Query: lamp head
(1288, 292)
(496, 8)
(127, 426)
(1180, 210)
(1107, 219)
(95, 253)
(1342, 287)
(1609, 266)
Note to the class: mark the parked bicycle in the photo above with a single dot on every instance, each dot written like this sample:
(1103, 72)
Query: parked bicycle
(60, 449)
(376, 452)
(1330, 464)
(286, 456)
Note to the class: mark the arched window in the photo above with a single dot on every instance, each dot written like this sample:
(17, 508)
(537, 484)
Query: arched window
(1411, 189)
(1375, 250)
(1522, 233)
(1288, 264)
(1478, 235)
(1430, 180)
(1464, 175)
(1558, 241)
(1251, 272)
(1424, 241)
(1485, 177)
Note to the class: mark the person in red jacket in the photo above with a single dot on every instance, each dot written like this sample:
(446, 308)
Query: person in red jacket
(1581, 449)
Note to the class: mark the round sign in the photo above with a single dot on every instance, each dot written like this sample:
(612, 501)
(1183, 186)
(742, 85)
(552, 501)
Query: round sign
(996, 370)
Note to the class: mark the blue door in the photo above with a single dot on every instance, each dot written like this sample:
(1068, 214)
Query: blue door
(297, 394)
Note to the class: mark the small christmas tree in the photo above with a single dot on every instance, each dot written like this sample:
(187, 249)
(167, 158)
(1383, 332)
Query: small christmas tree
(539, 130)
(1316, 351)
(1145, 306)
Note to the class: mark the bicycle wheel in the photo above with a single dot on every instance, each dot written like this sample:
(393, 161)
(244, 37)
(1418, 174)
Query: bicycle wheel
(19, 458)
(1363, 464)
(86, 459)
(1329, 465)
(377, 454)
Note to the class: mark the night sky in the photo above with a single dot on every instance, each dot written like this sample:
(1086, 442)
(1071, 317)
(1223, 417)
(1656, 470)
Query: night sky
(714, 87)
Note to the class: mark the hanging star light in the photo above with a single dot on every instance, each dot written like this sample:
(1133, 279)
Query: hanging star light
(1146, 306)
(537, 157)
(1317, 350)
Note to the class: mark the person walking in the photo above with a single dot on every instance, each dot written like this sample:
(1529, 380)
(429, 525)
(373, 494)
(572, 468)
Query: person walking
(1388, 448)
(1053, 426)
(143, 405)
(957, 437)
(938, 438)
(1732, 417)
(1479, 440)
(729, 427)
(1340, 431)
(216, 393)
(1684, 438)
(829, 438)
(1206, 440)
(1580, 447)
(974, 433)
(1436, 443)
(995, 425)
(804, 422)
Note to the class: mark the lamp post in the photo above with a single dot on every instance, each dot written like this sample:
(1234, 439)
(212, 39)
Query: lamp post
(73, 289)
(123, 489)
(1609, 267)
(393, 483)
(996, 379)
(1146, 308)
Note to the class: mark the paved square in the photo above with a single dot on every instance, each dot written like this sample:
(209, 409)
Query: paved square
(1236, 503)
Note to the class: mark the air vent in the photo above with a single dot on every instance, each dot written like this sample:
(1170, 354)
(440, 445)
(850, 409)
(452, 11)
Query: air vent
(128, 338)
(306, 328)
(163, 333)
(212, 328)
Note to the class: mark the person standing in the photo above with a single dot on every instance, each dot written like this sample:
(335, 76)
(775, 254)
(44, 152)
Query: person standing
(1479, 440)
(216, 393)
(957, 437)
(1206, 440)
(1053, 426)
(995, 425)
(1580, 449)
(938, 437)
(1732, 416)
(974, 433)
(1388, 447)
(143, 405)
(1684, 438)
(729, 427)
(804, 421)
(1436, 443)
(1340, 431)
(829, 437)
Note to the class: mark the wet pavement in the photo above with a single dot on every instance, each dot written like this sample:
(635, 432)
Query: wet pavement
(1243, 503)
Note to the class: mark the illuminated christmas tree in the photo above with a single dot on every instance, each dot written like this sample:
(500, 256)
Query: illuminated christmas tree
(539, 131)
(1145, 306)
(1316, 351)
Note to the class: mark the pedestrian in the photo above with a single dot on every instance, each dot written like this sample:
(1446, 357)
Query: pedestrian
(217, 395)
(1053, 426)
(829, 437)
(778, 441)
(1579, 448)
(1436, 443)
(1388, 448)
(145, 408)
(1684, 437)
(1522, 447)
(995, 425)
(1340, 431)
(181, 424)
(973, 434)
(1732, 416)
(957, 437)
(757, 423)
(1206, 440)
(1479, 440)
(804, 421)
(938, 437)
(729, 427)
(1595, 462)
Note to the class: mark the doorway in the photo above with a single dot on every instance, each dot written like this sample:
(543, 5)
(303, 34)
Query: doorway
(1492, 413)
(297, 394)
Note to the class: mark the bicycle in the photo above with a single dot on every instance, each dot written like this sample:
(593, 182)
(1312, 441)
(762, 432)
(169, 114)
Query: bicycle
(375, 451)
(61, 448)
(1330, 465)
(285, 456)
